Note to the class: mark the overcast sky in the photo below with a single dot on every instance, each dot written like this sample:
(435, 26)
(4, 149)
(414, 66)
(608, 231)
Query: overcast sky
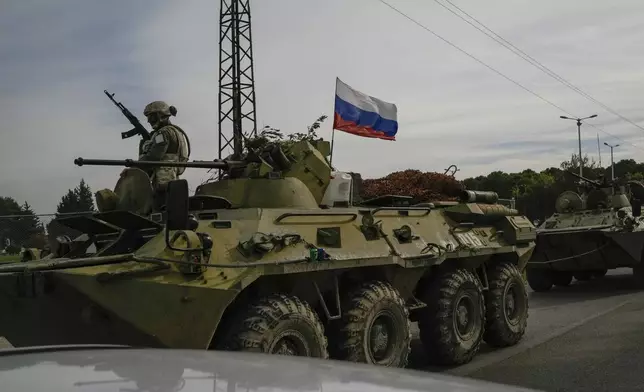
(56, 58)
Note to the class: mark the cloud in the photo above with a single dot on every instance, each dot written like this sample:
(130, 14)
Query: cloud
(59, 58)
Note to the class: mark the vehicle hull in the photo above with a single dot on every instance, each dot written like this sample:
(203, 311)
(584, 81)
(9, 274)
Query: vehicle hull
(72, 307)
(587, 249)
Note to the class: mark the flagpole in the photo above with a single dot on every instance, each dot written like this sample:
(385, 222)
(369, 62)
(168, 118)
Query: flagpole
(332, 139)
(333, 126)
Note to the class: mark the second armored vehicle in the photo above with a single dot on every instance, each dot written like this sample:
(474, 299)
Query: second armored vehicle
(274, 257)
(598, 229)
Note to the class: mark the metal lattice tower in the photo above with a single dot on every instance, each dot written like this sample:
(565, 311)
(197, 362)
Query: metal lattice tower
(236, 77)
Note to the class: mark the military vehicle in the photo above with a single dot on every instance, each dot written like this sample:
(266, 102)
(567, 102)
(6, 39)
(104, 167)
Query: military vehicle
(276, 257)
(597, 229)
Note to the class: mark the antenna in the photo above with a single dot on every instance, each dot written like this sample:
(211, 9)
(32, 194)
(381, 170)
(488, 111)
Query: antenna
(453, 168)
(599, 151)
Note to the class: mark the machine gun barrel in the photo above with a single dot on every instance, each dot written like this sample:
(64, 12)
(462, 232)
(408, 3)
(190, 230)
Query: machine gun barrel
(217, 164)
(594, 183)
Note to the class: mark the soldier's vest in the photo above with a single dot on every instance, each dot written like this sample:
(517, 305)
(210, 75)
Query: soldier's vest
(178, 148)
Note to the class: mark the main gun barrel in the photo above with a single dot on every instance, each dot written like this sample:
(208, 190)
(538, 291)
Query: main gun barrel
(478, 197)
(217, 164)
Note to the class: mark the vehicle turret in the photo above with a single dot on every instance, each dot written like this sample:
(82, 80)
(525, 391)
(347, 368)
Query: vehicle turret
(607, 193)
(280, 175)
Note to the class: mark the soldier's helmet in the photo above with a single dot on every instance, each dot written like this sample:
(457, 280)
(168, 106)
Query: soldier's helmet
(159, 107)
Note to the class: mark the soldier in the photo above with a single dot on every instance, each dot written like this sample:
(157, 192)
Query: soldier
(168, 142)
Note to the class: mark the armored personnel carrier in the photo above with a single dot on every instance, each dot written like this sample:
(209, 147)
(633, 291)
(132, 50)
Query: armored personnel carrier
(275, 257)
(597, 229)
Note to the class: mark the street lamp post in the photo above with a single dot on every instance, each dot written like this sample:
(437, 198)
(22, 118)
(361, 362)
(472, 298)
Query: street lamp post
(581, 173)
(612, 162)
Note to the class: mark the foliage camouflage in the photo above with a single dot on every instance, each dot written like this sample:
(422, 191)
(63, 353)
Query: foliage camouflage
(422, 186)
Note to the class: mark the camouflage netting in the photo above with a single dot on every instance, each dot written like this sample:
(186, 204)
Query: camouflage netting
(423, 186)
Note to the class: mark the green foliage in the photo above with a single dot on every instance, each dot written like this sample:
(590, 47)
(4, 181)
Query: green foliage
(79, 199)
(269, 134)
(573, 163)
(19, 226)
(637, 176)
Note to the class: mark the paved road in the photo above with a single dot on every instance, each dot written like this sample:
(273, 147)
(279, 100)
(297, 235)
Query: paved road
(587, 337)
(603, 355)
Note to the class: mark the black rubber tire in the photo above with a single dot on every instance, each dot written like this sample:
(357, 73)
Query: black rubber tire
(351, 336)
(638, 275)
(583, 276)
(443, 344)
(501, 329)
(562, 278)
(540, 280)
(260, 326)
(600, 273)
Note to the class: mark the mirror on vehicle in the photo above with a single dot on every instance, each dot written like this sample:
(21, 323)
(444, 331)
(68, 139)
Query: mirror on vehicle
(176, 205)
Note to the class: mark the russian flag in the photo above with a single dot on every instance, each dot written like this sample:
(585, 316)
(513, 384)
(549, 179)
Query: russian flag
(363, 115)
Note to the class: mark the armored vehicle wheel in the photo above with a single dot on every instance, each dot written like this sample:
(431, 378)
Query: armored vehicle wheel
(374, 328)
(583, 276)
(451, 325)
(562, 278)
(506, 304)
(638, 275)
(540, 280)
(600, 273)
(278, 324)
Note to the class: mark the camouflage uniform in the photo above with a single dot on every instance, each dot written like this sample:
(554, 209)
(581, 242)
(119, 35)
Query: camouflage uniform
(167, 142)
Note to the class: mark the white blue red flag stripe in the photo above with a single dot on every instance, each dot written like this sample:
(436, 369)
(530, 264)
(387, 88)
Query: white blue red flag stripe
(363, 115)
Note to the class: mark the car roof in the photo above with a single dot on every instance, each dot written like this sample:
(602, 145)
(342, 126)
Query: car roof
(118, 368)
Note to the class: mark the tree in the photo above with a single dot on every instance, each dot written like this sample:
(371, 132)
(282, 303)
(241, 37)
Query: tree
(79, 199)
(85, 197)
(30, 216)
(68, 203)
(627, 166)
(32, 227)
(573, 163)
(19, 226)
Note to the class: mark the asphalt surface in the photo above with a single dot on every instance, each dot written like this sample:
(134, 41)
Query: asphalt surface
(586, 337)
